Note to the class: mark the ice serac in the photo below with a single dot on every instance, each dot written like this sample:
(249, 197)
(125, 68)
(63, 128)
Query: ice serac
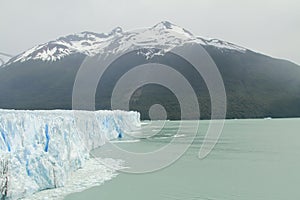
(40, 149)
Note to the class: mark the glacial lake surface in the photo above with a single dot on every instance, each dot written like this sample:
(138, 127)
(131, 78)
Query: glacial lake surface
(254, 159)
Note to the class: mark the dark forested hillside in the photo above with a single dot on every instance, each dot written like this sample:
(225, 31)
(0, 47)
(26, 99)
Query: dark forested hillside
(256, 86)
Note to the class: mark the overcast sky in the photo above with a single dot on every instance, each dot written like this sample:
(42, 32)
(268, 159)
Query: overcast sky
(267, 26)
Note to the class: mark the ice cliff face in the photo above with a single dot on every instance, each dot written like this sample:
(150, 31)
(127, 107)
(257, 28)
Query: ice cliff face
(39, 149)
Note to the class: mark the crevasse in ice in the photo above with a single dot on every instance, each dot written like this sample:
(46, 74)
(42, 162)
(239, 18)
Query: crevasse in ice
(39, 149)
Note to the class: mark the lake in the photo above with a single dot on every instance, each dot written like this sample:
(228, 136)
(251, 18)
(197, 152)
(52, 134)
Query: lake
(254, 159)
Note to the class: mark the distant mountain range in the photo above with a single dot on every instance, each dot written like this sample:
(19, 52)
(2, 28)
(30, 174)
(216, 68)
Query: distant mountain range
(256, 85)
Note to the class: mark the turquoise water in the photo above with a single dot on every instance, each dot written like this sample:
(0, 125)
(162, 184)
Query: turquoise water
(253, 160)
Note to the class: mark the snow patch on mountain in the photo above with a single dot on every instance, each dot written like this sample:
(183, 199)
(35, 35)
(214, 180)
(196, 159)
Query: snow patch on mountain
(4, 57)
(223, 45)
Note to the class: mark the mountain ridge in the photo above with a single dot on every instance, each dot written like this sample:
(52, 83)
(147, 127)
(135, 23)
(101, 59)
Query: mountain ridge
(256, 85)
(91, 43)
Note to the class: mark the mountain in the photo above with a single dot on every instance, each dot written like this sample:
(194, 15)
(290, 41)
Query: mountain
(256, 85)
(4, 57)
(163, 35)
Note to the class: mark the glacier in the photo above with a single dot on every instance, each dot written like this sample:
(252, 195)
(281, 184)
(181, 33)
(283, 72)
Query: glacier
(40, 149)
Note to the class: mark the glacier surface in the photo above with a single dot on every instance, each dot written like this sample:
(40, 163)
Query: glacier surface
(40, 149)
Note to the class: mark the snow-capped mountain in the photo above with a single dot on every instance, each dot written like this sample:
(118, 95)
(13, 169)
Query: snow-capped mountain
(43, 77)
(163, 35)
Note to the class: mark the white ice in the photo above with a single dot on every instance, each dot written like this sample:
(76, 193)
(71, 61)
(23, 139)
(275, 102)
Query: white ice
(40, 149)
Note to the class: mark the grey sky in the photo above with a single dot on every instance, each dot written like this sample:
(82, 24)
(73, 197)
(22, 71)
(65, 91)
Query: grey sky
(268, 26)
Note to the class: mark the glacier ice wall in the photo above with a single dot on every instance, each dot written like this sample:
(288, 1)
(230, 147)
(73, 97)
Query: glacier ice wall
(40, 149)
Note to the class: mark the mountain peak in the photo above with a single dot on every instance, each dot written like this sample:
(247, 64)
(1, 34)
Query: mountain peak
(166, 25)
(116, 30)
